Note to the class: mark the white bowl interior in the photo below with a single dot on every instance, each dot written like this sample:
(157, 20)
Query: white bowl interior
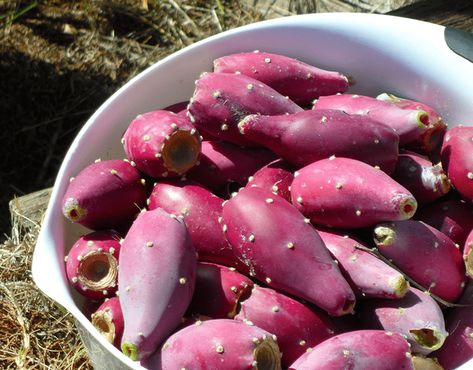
(383, 54)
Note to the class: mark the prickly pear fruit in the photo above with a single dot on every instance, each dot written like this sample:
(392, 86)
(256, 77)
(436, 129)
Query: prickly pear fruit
(452, 217)
(298, 80)
(305, 137)
(222, 163)
(282, 250)
(105, 194)
(409, 124)
(468, 254)
(201, 211)
(345, 193)
(361, 349)
(108, 320)
(457, 159)
(162, 143)
(156, 280)
(178, 108)
(424, 254)
(427, 182)
(368, 275)
(219, 344)
(221, 100)
(416, 315)
(430, 140)
(296, 326)
(218, 291)
(92, 264)
(276, 177)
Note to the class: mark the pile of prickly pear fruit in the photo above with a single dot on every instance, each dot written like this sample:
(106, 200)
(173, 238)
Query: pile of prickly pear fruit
(275, 221)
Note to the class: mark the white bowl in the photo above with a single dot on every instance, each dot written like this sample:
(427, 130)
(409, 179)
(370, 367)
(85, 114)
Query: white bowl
(383, 53)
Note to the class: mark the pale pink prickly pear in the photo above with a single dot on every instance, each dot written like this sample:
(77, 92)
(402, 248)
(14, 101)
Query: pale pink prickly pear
(200, 210)
(416, 315)
(427, 182)
(276, 177)
(219, 344)
(92, 264)
(108, 320)
(468, 254)
(368, 275)
(156, 280)
(296, 326)
(105, 194)
(430, 140)
(162, 143)
(452, 217)
(300, 81)
(409, 124)
(282, 250)
(345, 193)
(361, 349)
(222, 163)
(305, 137)
(221, 100)
(424, 254)
(457, 159)
(218, 291)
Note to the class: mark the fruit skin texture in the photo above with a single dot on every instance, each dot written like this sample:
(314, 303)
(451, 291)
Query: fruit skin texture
(221, 100)
(92, 264)
(298, 80)
(457, 159)
(105, 194)
(424, 254)
(367, 274)
(305, 137)
(427, 182)
(282, 250)
(218, 344)
(200, 210)
(296, 326)
(345, 193)
(417, 316)
(108, 320)
(218, 290)
(276, 177)
(409, 124)
(156, 280)
(222, 163)
(360, 350)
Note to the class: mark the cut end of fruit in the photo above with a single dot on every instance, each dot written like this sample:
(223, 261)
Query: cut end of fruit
(408, 207)
(384, 236)
(422, 118)
(102, 321)
(430, 339)
(98, 271)
(468, 258)
(242, 124)
(425, 363)
(433, 137)
(444, 184)
(400, 286)
(181, 151)
(130, 350)
(73, 211)
(267, 356)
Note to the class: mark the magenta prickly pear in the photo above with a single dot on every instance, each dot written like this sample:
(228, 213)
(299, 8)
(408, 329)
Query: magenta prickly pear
(156, 280)
(92, 264)
(368, 275)
(424, 254)
(162, 143)
(361, 349)
(345, 193)
(457, 159)
(296, 326)
(276, 177)
(200, 210)
(282, 250)
(218, 291)
(298, 80)
(105, 194)
(108, 320)
(221, 100)
(427, 182)
(430, 140)
(219, 344)
(468, 254)
(305, 137)
(409, 124)
(222, 163)
(416, 315)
